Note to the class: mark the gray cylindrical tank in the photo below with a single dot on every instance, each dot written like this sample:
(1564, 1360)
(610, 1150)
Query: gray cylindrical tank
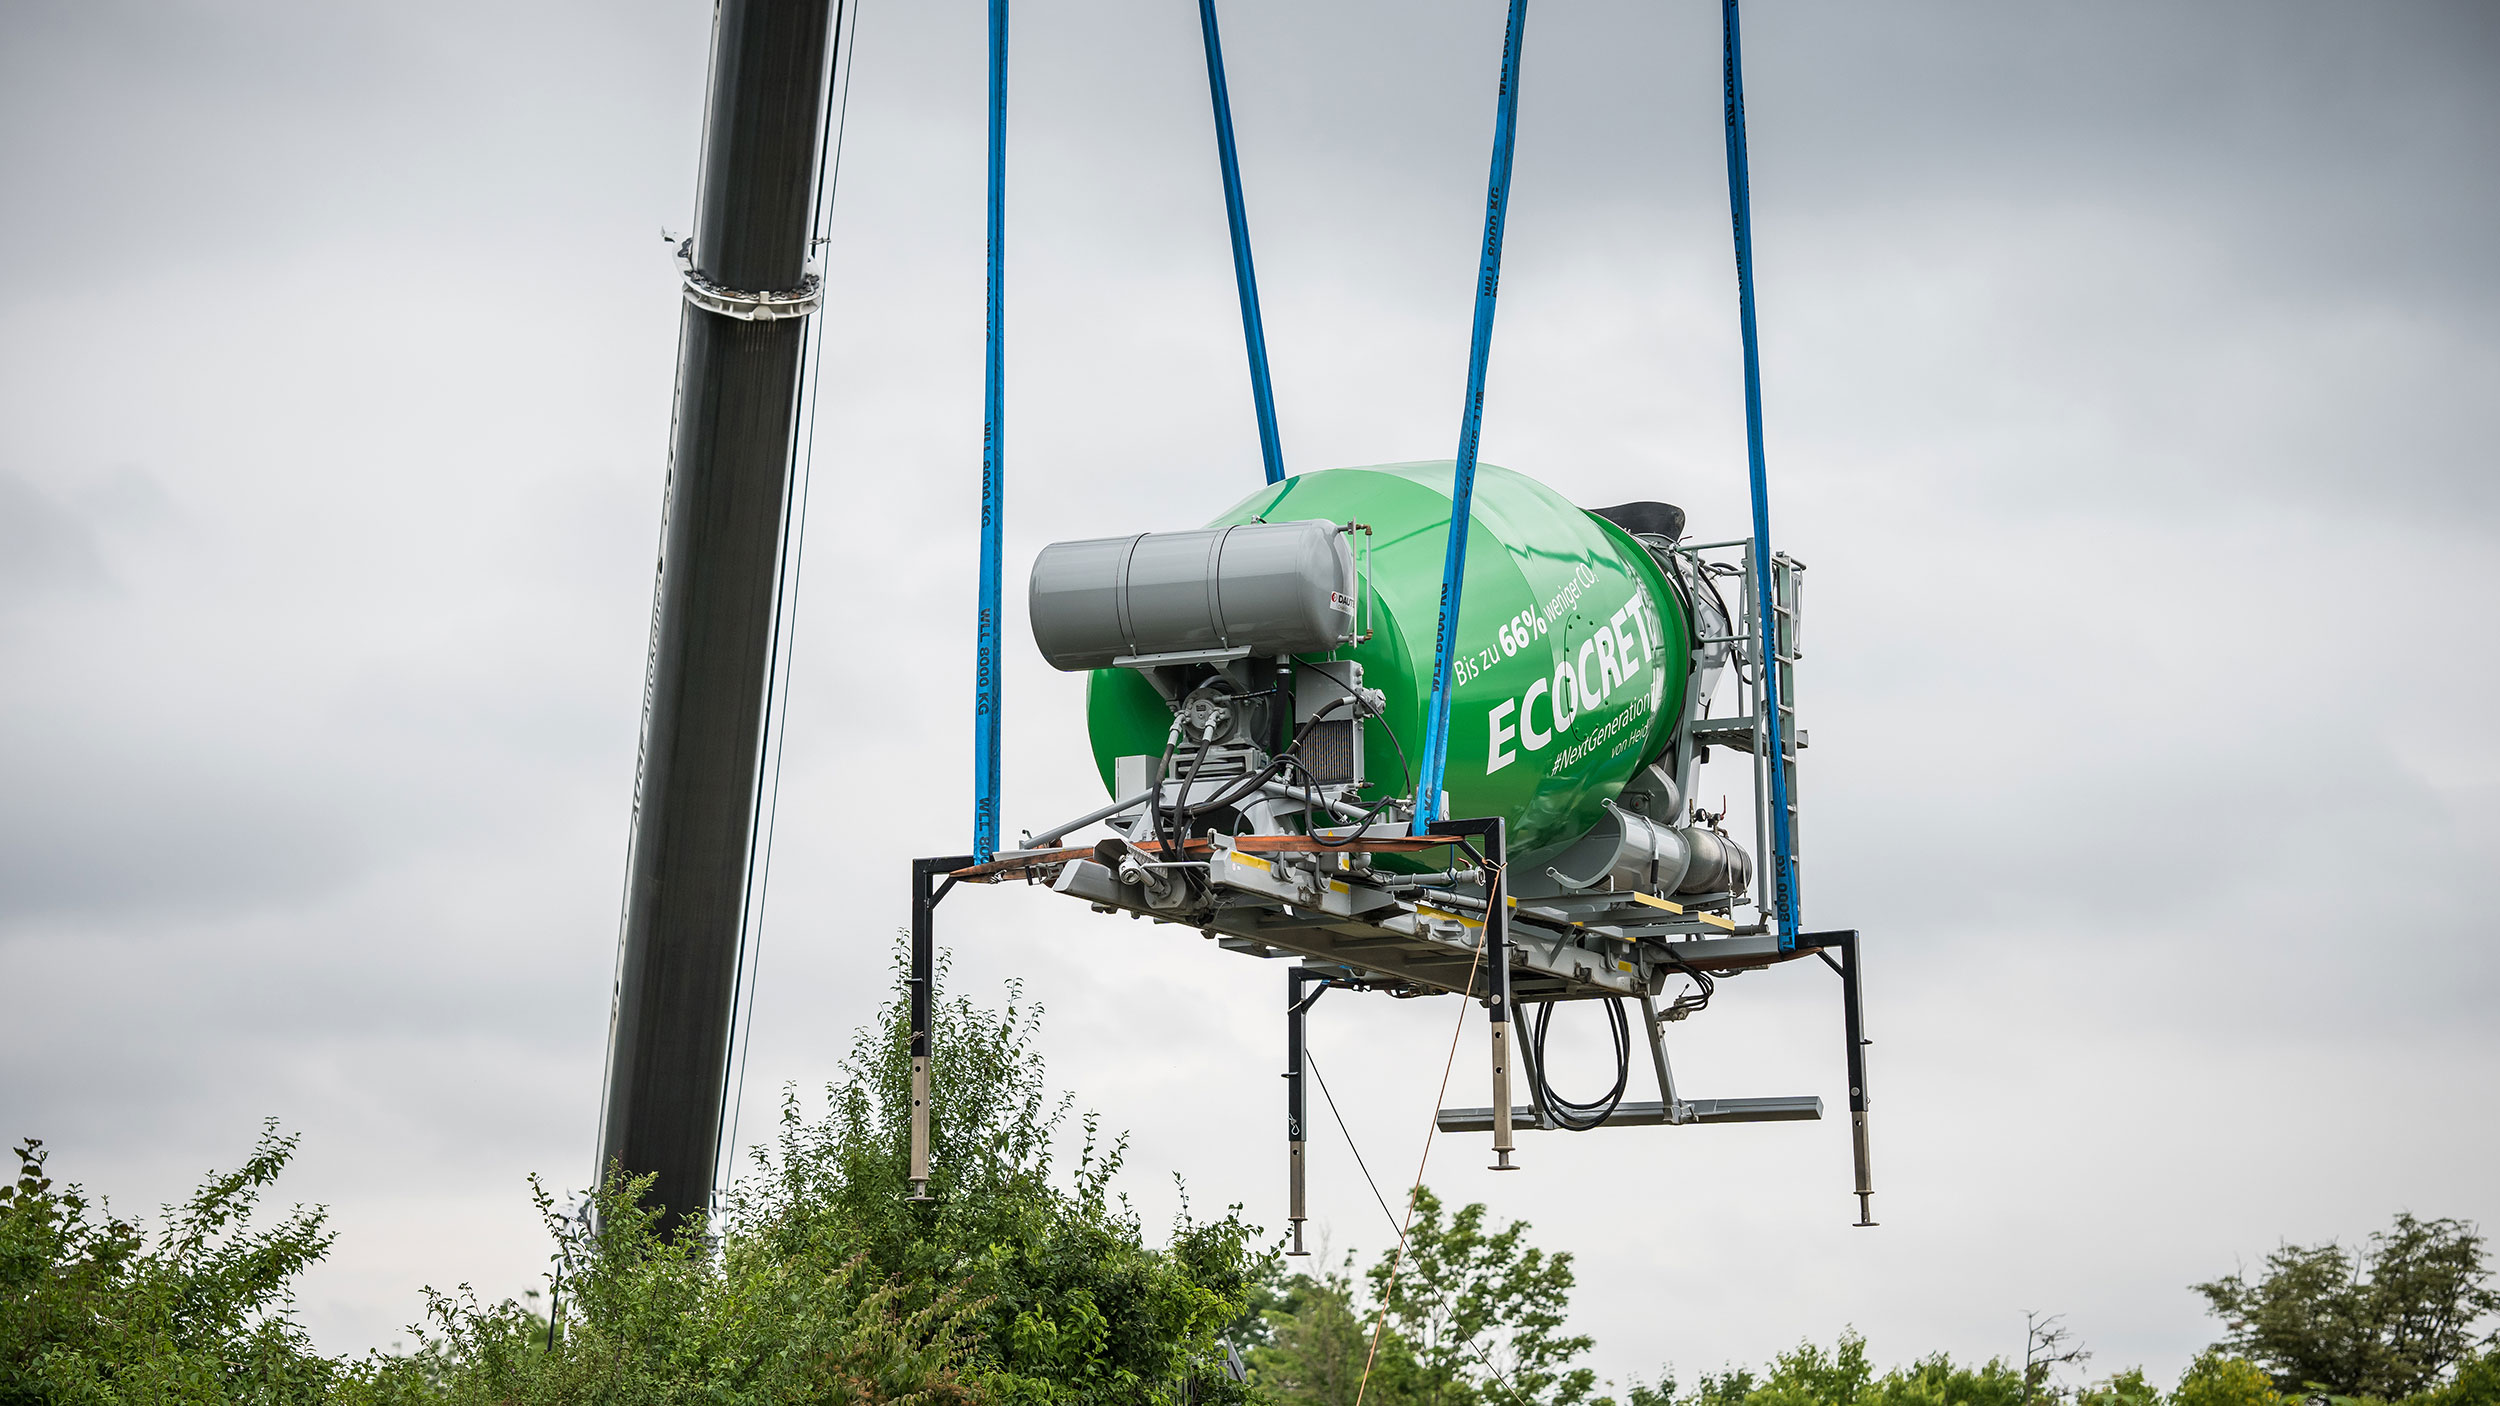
(1624, 851)
(1268, 588)
(1632, 852)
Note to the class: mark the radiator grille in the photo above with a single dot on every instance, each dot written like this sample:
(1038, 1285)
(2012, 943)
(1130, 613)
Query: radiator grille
(1331, 750)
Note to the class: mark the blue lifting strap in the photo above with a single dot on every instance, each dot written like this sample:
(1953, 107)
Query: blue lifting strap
(1740, 209)
(1253, 332)
(986, 660)
(1471, 420)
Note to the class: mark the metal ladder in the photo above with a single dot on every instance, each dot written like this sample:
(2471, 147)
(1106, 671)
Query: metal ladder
(1786, 606)
(1786, 586)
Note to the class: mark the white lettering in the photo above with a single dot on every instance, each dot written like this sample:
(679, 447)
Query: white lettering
(1609, 673)
(1580, 679)
(1528, 732)
(1566, 686)
(1496, 756)
(1628, 644)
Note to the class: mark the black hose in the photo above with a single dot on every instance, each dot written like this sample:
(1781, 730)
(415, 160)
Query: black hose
(1581, 1117)
(1697, 1000)
(1181, 810)
(1240, 786)
(1178, 814)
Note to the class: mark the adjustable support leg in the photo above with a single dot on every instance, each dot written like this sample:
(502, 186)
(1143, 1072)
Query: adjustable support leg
(1496, 966)
(1296, 1106)
(1853, 1030)
(1497, 991)
(1853, 1023)
(925, 893)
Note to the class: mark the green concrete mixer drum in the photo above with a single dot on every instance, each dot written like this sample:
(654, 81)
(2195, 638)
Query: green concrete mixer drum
(1571, 657)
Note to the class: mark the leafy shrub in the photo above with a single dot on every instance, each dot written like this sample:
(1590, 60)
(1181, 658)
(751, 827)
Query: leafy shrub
(818, 1280)
(90, 1312)
(2216, 1380)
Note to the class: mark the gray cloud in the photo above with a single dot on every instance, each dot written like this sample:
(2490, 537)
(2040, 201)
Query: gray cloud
(45, 548)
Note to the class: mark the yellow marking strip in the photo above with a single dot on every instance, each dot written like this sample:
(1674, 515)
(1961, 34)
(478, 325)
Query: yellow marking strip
(1716, 921)
(1270, 870)
(1662, 903)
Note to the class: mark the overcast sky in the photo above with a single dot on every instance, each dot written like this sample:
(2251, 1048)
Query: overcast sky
(2132, 376)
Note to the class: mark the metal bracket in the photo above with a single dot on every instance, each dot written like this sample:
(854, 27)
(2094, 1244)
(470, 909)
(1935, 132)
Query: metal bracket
(1181, 656)
(772, 306)
(1800, 1108)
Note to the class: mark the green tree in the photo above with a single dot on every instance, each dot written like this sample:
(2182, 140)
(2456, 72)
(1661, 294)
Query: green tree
(1074, 1303)
(1731, 1386)
(2217, 1379)
(656, 1319)
(1320, 1346)
(2389, 1322)
(1936, 1381)
(1806, 1375)
(91, 1311)
(2127, 1388)
(2476, 1382)
(1485, 1311)
(818, 1280)
(1462, 1315)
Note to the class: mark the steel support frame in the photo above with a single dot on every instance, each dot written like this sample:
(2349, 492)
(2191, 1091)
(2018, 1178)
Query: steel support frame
(926, 894)
(1496, 963)
(1297, 1105)
(1853, 1028)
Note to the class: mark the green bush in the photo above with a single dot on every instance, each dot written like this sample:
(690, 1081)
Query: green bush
(2216, 1380)
(1024, 1283)
(818, 1280)
(91, 1313)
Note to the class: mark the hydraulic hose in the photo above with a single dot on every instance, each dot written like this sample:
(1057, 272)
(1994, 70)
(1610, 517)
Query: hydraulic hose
(1572, 1116)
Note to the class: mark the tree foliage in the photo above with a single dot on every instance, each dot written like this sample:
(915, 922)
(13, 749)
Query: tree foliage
(819, 1280)
(1026, 1281)
(1071, 1301)
(1843, 1375)
(1483, 1310)
(816, 1281)
(1461, 1315)
(1322, 1346)
(666, 1319)
(90, 1311)
(2390, 1322)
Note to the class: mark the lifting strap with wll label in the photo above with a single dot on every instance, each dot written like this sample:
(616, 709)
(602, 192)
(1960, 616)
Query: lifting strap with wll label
(1470, 424)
